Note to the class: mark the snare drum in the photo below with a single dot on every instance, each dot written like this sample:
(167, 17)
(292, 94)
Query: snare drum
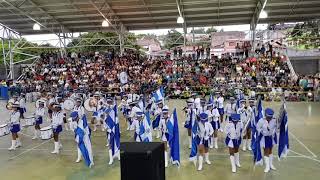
(4, 129)
(29, 121)
(68, 104)
(46, 133)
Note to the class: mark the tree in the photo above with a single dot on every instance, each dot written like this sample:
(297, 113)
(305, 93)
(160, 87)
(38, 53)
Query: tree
(198, 31)
(211, 30)
(172, 39)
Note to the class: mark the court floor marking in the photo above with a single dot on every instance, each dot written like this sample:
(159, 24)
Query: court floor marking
(27, 150)
(304, 156)
(295, 137)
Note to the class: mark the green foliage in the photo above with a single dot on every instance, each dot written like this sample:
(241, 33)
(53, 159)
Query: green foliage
(211, 30)
(198, 31)
(172, 39)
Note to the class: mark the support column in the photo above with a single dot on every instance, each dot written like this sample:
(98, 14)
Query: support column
(121, 40)
(4, 57)
(11, 67)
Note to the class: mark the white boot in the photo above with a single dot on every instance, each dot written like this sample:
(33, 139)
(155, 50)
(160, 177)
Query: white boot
(128, 125)
(56, 148)
(267, 163)
(158, 133)
(79, 156)
(60, 145)
(249, 144)
(211, 142)
(18, 143)
(35, 134)
(244, 147)
(237, 158)
(200, 163)
(118, 156)
(190, 142)
(270, 161)
(207, 158)
(110, 157)
(233, 164)
(216, 142)
(13, 145)
(165, 159)
(66, 126)
(94, 127)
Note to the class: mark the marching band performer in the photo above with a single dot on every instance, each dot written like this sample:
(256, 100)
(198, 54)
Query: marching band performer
(204, 133)
(190, 118)
(202, 108)
(252, 118)
(82, 138)
(231, 108)
(164, 132)
(233, 130)
(39, 116)
(57, 121)
(96, 116)
(60, 102)
(245, 119)
(124, 109)
(267, 127)
(158, 111)
(106, 111)
(22, 104)
(214, 119)
(15, 127)
(136, 125)
(220, 101)
(79, 107)
(51, 101)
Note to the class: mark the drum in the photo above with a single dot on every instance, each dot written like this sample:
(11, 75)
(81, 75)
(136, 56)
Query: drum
(68, 104)
(90, 104)
(29, 121)
(4, 129)
(46, 133)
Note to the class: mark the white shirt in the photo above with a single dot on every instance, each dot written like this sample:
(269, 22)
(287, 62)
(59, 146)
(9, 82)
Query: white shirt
(40, 112)
(188, 114)
(232, 131)
(163, 128)
(244, 115)
(22, 103)
(15, 117)
(133, 111)
(80, 110)
(197, 103)
(230, 109)
(57, 119)
(201, 109)
(213, 115)
(267, 128)
(205, 130)
(220, 101)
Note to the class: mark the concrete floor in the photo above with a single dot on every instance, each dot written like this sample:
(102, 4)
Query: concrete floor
(34, 161)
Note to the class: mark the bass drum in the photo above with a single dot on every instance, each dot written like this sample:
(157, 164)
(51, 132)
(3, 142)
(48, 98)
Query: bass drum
(68, 104)
(90, 104)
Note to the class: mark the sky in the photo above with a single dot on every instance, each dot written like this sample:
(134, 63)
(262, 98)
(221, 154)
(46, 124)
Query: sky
(53, 39)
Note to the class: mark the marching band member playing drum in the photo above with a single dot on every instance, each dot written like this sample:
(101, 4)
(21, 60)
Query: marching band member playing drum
(214, 119)
(22, 104)
(79, 107)
(245, 119)
(39, 115)
(164, 132)
(57, 121)
(267, 127)
(190, 118)
(15, 127)
(204, 133)
(233, 131)
(231, 108)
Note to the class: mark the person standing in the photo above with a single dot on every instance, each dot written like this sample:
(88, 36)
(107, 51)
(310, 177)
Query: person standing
(39, 116)
(15, 127)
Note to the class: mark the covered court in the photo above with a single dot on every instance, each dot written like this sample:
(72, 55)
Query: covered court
(34, 161)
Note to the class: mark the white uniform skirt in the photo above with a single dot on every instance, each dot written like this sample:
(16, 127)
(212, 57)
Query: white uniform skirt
(233, 143)
(268, 141)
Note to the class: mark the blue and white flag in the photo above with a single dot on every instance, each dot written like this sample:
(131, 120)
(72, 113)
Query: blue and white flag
(173, 131)
(195, 141)
(112, 122)
(145, 129)
(211, 100)
(256, 136)
(83, 133)
(156, 121)
(159, 94)
(283, 147)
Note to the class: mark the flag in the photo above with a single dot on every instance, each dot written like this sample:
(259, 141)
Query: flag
(83, 133)
(283, 147)
(195, 140)
(112, 122)
(211, 99)
(145, 129)
(159, 94)
(173, 131)
(256, 136)
(156, 121)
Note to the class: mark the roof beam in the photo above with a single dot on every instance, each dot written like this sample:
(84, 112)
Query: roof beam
(261, 4)
(181, 13)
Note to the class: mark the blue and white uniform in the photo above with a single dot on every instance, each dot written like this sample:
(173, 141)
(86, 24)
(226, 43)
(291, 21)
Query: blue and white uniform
(214, 118)
(57, 121)
(39, 115)
(15, 121)
(80, 110)
(204, 133)
(231, 108)
(233, 132)
(220, 105)
(268, 131)
(164, 129)
(22, 103)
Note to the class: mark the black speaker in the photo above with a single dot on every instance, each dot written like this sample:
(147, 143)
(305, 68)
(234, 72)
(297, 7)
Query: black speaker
(142, 161)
